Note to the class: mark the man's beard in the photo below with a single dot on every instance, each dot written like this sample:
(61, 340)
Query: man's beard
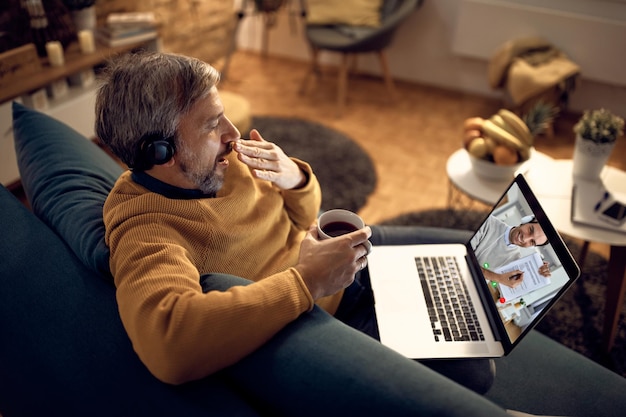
(208, 182)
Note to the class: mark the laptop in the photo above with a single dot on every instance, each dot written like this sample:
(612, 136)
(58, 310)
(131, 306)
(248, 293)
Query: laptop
(437, 302)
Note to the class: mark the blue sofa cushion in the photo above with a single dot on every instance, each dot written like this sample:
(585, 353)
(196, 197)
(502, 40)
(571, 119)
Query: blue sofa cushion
(64, 350)
(66, 178)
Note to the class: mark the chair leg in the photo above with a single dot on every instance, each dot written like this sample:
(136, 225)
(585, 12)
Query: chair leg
(342, 84)
(353, 63)
(265, 35)
(386, 73)
(313, 71)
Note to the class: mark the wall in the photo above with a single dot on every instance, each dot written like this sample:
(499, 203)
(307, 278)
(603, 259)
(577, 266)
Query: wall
(438, 46)
(200, 28)
(588, 31)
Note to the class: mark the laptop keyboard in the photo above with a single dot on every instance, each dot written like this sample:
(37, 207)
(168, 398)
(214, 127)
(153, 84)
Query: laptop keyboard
(450, 308)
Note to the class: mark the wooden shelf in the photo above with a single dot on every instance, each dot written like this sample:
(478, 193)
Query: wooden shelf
(75, 62)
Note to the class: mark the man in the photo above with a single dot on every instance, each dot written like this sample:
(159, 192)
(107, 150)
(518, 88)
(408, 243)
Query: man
(497, 243)
(199, 200)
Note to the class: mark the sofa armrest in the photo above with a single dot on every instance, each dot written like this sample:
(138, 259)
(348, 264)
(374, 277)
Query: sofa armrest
(64, 349)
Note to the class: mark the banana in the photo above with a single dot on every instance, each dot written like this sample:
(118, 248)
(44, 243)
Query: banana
(499, 121)
(505, 138)
(518, 125)
(478, 148)
(514, 128)
(490, 143)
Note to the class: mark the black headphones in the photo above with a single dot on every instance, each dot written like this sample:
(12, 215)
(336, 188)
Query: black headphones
(154, 149)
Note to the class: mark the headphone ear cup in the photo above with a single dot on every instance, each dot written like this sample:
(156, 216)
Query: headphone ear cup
(159, 152)
(527, 219)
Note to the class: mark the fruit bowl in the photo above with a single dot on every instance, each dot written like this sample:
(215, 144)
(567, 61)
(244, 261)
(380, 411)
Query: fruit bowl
(490, 171)
(497, 146)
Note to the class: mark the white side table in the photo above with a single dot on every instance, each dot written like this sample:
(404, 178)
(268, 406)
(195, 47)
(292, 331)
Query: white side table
(552, 183)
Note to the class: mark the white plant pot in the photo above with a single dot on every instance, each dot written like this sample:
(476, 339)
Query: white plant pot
(85, 19)
(590, 158)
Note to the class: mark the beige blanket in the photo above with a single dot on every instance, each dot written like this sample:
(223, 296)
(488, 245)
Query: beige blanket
(528, 67)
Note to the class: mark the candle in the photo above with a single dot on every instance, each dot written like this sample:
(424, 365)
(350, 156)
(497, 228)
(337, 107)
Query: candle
(55, 53)
(58, 88)
(85, 39)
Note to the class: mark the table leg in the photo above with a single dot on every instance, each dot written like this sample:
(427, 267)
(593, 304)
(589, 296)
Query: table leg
(450, 194)
(615, 288)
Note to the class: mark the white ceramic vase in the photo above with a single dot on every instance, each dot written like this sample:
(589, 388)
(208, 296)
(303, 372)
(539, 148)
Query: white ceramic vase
(590, 157)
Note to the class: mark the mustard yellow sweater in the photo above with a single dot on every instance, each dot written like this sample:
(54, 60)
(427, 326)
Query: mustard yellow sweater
(161, 245)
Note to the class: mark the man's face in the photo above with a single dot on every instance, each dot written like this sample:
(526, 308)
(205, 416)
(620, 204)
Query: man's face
(205, 136)
(528, 235)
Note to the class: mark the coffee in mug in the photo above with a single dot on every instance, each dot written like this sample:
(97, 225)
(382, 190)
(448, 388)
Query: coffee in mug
(337, 222)
(334, 229)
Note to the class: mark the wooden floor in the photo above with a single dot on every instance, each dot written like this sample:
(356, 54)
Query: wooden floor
(408, 137)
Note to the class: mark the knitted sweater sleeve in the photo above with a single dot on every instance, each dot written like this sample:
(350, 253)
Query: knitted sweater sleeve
(179, 332)
(304, 204)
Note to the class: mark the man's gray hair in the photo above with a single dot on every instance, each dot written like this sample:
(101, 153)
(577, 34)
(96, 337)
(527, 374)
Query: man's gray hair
(146, 93)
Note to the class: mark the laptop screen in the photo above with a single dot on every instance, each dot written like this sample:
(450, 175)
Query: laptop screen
(525, 264)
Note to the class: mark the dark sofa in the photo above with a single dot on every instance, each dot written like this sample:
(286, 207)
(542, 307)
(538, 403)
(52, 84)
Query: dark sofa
(64, 350)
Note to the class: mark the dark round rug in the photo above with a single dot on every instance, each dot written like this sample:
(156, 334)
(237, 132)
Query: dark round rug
(576, 319)
(345, 171)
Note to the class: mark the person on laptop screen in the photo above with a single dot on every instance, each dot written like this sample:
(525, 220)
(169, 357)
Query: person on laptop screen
(497, 244)
(512, 265)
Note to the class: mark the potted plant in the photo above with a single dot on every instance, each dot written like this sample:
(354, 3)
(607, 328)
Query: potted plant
(83, 13)
(596, 132)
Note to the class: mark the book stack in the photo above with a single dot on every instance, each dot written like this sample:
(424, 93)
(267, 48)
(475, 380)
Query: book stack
(127, 28)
